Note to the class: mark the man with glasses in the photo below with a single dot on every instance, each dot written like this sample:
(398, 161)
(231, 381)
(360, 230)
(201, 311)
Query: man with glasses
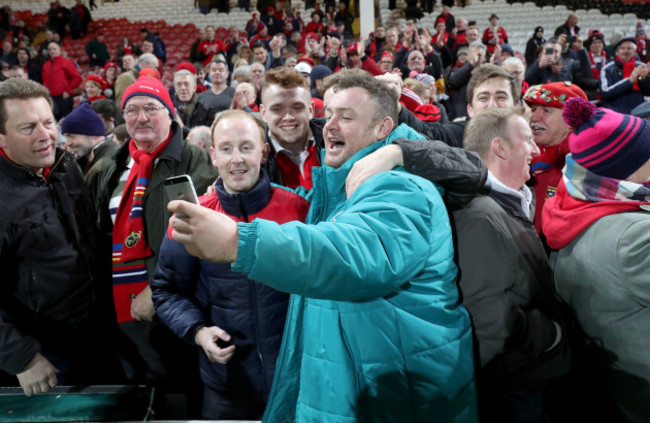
(131, 214)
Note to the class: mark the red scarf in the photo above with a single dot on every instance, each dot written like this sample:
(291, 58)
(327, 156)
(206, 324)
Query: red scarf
(565, 217)
(130, 247)
(595, 69)
(628, 67)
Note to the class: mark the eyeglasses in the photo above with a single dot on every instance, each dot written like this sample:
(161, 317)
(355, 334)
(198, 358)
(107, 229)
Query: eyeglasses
(150, 110)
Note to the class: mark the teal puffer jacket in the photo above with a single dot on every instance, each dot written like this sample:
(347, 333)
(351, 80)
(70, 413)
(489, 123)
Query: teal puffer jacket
(374, 331)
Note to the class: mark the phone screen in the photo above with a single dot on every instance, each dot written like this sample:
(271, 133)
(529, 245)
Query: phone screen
(549, 50)
(181, 188)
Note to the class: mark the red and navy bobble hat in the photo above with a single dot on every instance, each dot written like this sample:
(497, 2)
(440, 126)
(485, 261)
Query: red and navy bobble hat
(607, 143)
(150, 87)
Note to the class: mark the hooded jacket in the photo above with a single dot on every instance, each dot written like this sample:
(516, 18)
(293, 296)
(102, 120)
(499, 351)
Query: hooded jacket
(375, 329)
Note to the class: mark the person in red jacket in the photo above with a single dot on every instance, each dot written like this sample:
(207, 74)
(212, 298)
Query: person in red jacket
(551, 134)
(62, 78)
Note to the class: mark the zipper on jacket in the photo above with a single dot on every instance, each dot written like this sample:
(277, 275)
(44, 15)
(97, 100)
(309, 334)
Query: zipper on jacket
(33, 290)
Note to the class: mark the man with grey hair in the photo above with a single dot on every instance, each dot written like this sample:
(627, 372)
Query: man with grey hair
(244, 98)
(398, 344)
(191, 112)
(146, 60)
(515, 66)
(201, 137)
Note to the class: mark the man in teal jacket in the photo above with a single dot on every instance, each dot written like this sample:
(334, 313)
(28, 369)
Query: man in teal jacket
(374, 330)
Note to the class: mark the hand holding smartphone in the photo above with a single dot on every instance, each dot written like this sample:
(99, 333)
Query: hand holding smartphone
(181, 188)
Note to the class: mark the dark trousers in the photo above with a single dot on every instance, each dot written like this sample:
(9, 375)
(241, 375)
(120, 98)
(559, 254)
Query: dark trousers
(230, 405)
(152, 354)
(62, 106)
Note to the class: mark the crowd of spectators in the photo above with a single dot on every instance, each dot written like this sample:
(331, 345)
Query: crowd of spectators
(122, 132)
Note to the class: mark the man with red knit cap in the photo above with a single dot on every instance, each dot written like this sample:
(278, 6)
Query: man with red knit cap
(599, 222)
(131, 204)
(550, 133)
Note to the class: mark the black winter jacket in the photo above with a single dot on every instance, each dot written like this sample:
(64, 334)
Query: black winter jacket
(46, 243)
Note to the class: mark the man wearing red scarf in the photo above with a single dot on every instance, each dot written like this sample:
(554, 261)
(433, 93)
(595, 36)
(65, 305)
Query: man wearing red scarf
(623, 83)
(132, 213)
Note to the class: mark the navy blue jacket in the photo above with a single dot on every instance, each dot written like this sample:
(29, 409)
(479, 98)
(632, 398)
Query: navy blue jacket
(618, 92)
(189, 294)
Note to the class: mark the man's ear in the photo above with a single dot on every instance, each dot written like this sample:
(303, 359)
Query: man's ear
(386, 126)
(498, 148)
(263, 112)
(266, 149)
(470, 110)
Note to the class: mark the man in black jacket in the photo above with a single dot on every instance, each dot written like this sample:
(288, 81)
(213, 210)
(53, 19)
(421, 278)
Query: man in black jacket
(48, 304)
(190, 110)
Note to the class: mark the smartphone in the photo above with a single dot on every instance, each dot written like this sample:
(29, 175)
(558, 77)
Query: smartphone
(550, 50)
(181, 188)
(572, 39)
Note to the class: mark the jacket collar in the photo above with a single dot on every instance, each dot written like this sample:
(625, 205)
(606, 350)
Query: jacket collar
(248, 203)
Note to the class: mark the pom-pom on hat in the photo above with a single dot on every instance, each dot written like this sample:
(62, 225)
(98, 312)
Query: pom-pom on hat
(553, 94)
(83, 120)
(150, 87)
(607, 143)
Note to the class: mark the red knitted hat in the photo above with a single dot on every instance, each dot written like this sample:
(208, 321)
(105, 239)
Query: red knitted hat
(319, 107)
(150, 87)
(427, 113)
(186, 66)
(554, 94)
(97, 80)
(607, 143)
(410, 99)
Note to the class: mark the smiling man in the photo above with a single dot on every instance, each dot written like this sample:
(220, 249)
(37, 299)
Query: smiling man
(237, 322)
(294, 136)
(624, 81)
(495, 236)
(83, 129)
(374, 329)
(48, 303)
(551, 134)
(130, 197)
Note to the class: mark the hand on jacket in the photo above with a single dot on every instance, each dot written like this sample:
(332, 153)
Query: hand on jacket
(207, 234)
(531, 332)
(142, 306)
(386, 158)
(207, 338)
(38, 377)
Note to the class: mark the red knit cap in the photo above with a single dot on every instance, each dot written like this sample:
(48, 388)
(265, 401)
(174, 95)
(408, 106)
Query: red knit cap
(186, 66)
(312, 35)
(319, 107)
(607, 143)
(427, 113)
(554, 94)
(410, 99)
(387, 54)
(97, 80)
(150, 87)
